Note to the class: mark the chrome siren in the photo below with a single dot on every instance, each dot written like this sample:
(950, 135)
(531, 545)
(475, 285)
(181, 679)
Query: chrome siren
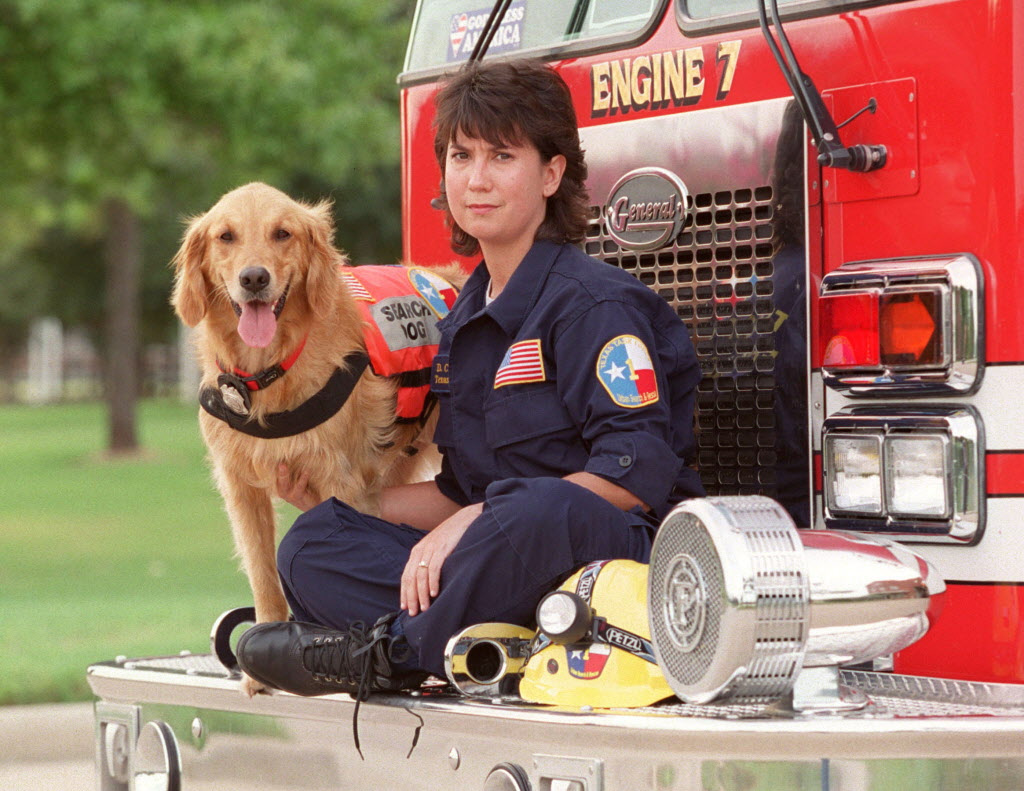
(745, 608)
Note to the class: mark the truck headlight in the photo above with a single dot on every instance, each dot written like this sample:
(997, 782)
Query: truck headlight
(918, 473)
(914, 472)
(856, 483)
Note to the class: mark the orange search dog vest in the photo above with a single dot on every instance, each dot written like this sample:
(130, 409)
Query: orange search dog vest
(400, 307)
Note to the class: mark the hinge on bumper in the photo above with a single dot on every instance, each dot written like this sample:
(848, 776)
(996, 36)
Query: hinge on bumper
(117, 728)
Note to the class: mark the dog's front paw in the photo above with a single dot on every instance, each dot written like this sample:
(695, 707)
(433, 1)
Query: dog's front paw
(251, 687)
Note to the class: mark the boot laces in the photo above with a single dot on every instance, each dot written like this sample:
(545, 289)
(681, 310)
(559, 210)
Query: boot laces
(355, 658)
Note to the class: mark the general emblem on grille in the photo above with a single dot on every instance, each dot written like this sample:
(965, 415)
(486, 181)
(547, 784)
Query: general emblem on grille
(646, 209)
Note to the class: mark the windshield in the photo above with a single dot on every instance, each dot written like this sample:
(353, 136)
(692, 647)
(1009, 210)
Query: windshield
(699, 17)
(445, 31)
(706, 9)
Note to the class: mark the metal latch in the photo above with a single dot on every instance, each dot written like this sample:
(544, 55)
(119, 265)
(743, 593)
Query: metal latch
(558, 773)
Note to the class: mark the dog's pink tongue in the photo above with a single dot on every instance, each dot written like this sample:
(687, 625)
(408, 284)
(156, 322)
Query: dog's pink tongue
(257, 324)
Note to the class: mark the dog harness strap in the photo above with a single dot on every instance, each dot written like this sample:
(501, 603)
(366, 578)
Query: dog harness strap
(267, 376)
(429, 401)
(418, 378)
(319, 408)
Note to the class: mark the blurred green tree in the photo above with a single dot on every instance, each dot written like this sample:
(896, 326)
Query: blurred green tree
(120, 117)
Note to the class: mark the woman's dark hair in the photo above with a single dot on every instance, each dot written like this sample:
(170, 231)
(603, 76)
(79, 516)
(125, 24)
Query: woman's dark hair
(509, 103)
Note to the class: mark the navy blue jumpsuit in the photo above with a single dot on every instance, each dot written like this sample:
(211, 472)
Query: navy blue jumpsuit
(575, 366)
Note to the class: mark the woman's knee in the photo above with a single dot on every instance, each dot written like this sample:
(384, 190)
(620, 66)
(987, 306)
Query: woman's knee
(550, 508)
(530, 498)
(312, 525)
(568, 516)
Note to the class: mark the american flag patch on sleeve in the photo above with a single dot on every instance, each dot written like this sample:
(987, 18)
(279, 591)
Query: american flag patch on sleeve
(522, 363)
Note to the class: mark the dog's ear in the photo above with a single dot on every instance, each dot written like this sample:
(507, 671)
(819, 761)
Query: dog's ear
(191, 290)
(323, 257)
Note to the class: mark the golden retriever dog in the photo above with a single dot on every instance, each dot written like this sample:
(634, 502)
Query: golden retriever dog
(259, 278)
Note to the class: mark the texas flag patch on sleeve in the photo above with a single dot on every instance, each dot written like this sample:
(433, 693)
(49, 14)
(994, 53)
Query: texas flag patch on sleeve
(625, 370)
(522, 363)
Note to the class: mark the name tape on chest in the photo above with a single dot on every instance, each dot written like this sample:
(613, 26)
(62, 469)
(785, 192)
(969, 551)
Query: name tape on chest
(625, 370)
(440, 379)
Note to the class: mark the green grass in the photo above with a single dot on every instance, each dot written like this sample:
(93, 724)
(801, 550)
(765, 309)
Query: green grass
(102, 557)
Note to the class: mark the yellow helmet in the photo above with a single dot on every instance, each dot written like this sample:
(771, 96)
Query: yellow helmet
(593, 645)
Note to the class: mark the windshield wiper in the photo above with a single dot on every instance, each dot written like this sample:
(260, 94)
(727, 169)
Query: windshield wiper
(490, 28)
(579, 14)
(860, 158)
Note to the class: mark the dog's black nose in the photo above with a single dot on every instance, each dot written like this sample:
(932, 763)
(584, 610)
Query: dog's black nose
(254, 279)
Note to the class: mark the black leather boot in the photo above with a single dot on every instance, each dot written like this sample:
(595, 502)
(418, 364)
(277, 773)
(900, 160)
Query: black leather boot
(306, 659)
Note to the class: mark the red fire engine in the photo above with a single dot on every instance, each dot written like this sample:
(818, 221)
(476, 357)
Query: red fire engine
(830, 193)
(858, 330)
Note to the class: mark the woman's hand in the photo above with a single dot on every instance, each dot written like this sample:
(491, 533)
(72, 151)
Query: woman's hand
(421, 580)
(295, 490)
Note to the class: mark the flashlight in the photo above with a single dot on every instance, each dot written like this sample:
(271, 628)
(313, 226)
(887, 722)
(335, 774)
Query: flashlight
(564, 617)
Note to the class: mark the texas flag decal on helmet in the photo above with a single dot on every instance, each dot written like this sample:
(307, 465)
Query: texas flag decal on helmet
(435, 290)
(587, 662)
(625, 369)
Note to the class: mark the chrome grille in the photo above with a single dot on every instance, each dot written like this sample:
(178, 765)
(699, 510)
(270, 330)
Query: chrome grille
(717, 274)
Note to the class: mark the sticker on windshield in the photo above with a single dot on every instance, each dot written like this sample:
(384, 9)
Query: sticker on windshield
(466, 27)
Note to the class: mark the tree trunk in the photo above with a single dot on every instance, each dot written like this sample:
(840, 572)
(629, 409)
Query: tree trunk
(122, 257)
